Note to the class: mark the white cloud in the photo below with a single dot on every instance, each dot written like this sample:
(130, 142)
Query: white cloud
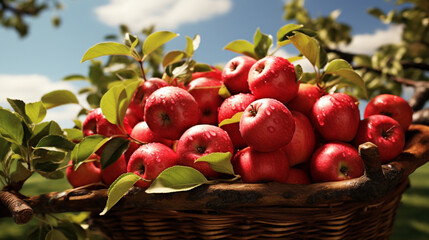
(30, 88)
(368, 43)
(165, 14)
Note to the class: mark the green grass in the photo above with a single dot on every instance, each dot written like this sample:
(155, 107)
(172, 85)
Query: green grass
(412, 219)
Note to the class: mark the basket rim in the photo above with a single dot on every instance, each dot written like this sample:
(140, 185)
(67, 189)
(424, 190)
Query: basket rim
(377, 182)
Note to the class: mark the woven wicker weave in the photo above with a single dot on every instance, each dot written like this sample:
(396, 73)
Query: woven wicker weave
(360, 208)
(372, 220)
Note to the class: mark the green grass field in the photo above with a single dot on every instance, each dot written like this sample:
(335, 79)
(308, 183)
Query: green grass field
(412, 220)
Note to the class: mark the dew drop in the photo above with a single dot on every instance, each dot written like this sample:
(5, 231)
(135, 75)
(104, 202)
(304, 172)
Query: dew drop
(271, 129)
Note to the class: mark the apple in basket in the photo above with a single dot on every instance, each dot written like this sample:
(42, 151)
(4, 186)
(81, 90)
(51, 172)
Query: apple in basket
(87, 173)
(392, 106)
(383, 131)
(201, 140)
(169, 111)
(267, 125)
(335, 161)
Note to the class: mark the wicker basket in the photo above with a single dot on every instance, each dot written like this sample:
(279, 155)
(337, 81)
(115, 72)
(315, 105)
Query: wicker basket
(361, 208)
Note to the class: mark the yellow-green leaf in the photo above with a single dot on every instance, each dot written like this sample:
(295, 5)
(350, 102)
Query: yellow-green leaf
(59, 97)
(118, 189)
(35, 111)
(242, 47)
(219, 162)
(308, 46)
(107, 48)
(176, 179)
(234, 119)
(156, 40)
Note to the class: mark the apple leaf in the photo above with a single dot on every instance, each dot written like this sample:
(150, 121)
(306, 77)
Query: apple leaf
(86, 148)
(73, 134)
(177, 178)
(35, 111)
(19, 107)
(219, 162)
(11, 128)
(58, 98)
(156, 40)
(107, 48)
(55, 234)
(308, 46)
(234, 119)
(112, 151)
(224, 92)
(298, 72)
(351, 77)
(242, 47)
(21, 174)
(262, 44)
(74, 77)
(192, 44)
(295, 58)
(55, 142)
(338, 64)
(173, 57)
(118, 189)
(116, 100)
(43, 129)
(285, 32)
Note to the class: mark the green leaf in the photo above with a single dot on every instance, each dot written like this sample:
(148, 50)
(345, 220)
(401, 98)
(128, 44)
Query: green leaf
(298, 72)
(110, 103)
(73, 134)
(173, 57)
(105, 49)
(55, 235)
(295, 58)
(189, 50)
(234, 119)
(285, 32)
(21, 174)
(308, 46)
(43, 129)
(224, 92)
(74, 77)
(58, 98)
(19, 107)
(35, 111)
(262, 44)
(242, 47)
(338, 64)
(352, 78)
(118, 189)
(176, 179)
(11, 127)
(112, 151)
(219, 162)
(86, 148)
(156, 40)
(4, 149)
(55, 142)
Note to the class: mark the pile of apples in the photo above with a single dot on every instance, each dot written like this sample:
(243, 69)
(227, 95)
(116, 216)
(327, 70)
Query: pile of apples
(276, 128)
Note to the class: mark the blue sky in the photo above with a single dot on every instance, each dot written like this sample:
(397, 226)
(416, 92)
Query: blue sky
(34, 65)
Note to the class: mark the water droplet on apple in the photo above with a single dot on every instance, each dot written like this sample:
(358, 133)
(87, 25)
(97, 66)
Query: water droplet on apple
(271, 129)
(268, 113)
(213, 134)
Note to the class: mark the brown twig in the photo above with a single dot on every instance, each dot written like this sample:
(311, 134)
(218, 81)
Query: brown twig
(21, 212)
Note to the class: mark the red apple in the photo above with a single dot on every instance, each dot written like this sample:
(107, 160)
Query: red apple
(298, 176)
(169, 111)
(336, 161)
(108, 129)
(141, 94)
(89, 125)
(267, 125)
(201, 140)
(273, 77)
(149, 160)
(392, 106)
(304, 100)
(229, 107)
(131, 118)
(206, 92)
(303, 142)
(383, 131)
(336, 117)
(87, 173)
(236, 72)
(114, 170)
(254, 166)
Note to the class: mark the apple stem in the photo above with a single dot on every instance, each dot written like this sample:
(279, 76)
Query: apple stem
(142, 69)
(253, 110)
(388, 132)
